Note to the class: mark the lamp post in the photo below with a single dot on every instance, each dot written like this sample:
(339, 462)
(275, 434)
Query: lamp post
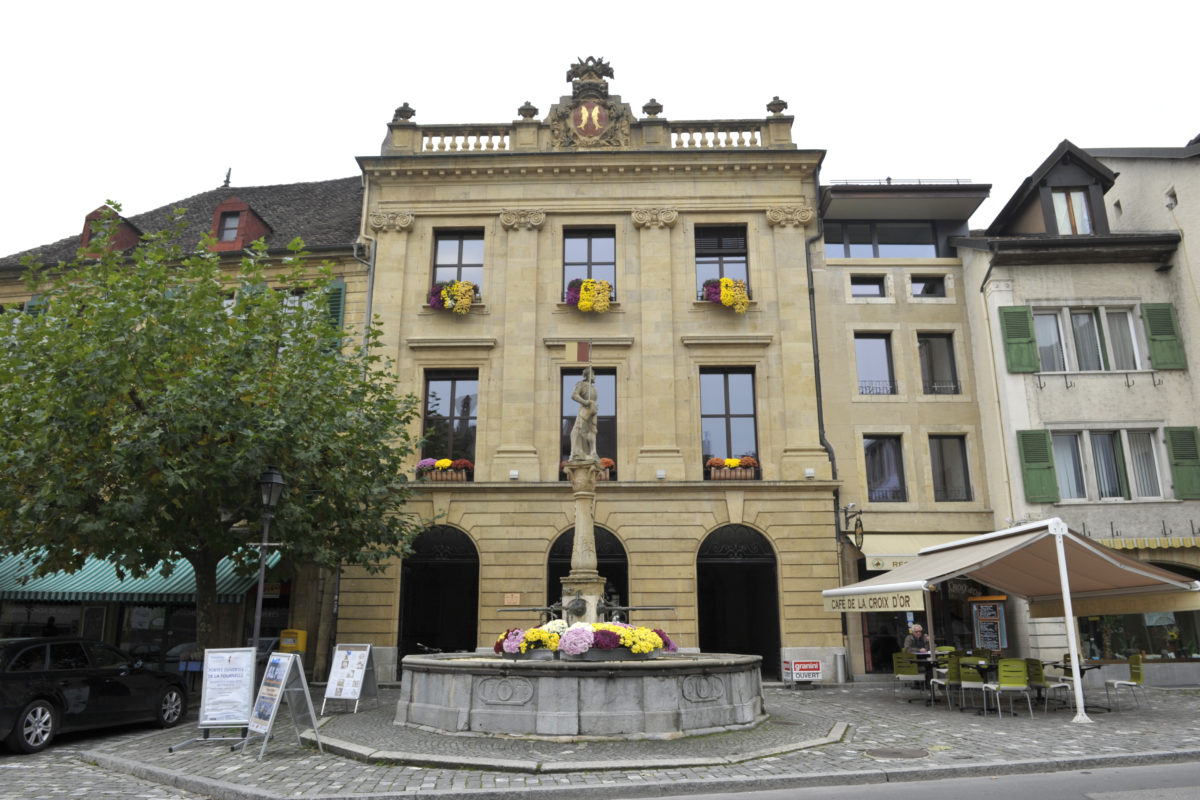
(271, 484)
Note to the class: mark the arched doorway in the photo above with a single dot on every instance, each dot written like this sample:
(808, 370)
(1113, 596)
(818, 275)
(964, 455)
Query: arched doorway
(737, 595)
(439, 592)
(611, 563)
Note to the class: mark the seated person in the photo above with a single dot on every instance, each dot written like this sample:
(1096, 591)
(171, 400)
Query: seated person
(917, 641)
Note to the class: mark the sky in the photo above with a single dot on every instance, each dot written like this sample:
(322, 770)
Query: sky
(147, 103)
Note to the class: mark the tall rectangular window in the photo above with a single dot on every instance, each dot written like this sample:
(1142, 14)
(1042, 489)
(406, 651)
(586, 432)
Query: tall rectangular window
(606, 421)
(589, 254)
(1089, 350)
(720, 253)
(1049, 342)
(1109, 460)
(727, 427)
(936, 353)
(228, 227)
(948, 460)
(873, 354)
(1144, 463)
(451, 414)
(1068, 467)
(458, 256)
(1071, 212)
(1120, 336)
(885, 469)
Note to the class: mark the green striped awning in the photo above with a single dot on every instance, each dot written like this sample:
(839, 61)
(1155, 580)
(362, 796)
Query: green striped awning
(97, 581)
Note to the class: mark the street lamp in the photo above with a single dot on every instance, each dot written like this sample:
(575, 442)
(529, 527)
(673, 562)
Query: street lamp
(856, 532)
(271, 484)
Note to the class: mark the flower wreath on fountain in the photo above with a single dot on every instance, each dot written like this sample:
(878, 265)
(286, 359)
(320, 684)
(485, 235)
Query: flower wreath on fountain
(614, 638)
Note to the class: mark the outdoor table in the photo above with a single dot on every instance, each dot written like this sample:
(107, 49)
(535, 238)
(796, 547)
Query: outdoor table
(988, 671)
(929, 662)
(1084, 668)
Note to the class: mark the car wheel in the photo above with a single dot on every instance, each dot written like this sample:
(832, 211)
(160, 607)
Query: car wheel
(172, 705)
(35, 728)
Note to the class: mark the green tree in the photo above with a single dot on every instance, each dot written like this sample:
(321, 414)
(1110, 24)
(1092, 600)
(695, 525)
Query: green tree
(144, 392)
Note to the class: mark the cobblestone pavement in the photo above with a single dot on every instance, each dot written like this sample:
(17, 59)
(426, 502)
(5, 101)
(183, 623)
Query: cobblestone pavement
(825, 736)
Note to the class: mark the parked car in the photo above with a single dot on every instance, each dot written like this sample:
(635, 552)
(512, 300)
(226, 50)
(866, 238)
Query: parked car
(54, 685)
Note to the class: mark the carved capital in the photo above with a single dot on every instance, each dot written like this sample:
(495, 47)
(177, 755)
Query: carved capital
(398, 221)
(655, 217)
(529, 219)
(791, 216)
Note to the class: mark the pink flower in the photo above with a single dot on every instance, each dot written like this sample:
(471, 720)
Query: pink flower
(575, 641)
(512, 642)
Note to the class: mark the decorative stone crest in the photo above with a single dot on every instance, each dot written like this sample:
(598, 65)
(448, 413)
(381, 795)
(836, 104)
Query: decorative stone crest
(399, 221)
(506, 691)
(654, 217)
(791, 216)
(529, 219)
(592, 119)
(703, 688)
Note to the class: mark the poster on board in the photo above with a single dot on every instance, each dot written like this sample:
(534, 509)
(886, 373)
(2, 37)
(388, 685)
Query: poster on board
(987, 614)
(351, 675)
(282, 681)
(226, 694)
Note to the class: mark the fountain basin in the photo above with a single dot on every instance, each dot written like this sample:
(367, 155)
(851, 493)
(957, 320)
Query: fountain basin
(671, 696)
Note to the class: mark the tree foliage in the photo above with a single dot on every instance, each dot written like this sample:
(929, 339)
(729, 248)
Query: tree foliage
(143, 393)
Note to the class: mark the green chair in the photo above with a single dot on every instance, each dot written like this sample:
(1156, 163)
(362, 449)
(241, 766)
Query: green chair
(948, 680)
(1134, 683)
(1035, 672)
(905, 669)
(969, 677)
(1011, 679)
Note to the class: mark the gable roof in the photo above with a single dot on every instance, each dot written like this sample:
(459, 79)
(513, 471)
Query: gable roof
(1029, 186)
(324, 214)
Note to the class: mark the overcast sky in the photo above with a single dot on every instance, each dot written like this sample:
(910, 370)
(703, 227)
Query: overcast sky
(148, 103)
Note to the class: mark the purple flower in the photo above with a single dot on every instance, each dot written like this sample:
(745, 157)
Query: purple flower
(668, 645)
(605, 640)
(435, 297)
(712, 291)
(425, 465)
(575, 641)
(512, 642)
(573, 296)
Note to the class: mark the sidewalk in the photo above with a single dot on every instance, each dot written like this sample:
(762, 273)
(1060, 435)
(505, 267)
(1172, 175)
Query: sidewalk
(823, 736)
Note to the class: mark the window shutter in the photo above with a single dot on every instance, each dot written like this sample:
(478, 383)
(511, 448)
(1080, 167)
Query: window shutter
(336, 302)
(1183, 451)
(1162, 332)
(1020, 344)
(1037, 466)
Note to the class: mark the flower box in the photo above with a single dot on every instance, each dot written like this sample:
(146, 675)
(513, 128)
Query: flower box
(536, 654)
(452, 475)
(618, 654)
(731, 474)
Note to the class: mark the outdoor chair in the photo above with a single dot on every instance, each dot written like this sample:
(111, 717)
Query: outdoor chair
(1134, 683)
(1035, 671)
(905, 669)
(969, 677)
(1011, 679)
(942, 655)
(949, 679)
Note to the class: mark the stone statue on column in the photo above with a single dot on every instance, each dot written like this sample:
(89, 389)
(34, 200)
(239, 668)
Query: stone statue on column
(583, 588)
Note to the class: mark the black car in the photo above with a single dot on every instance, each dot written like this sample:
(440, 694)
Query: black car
(52, 685)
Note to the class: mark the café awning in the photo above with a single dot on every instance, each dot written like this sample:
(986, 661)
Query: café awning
(97, 582)
(1044, 562)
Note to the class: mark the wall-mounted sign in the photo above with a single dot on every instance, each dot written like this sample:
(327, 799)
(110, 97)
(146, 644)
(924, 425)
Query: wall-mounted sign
(882, 601)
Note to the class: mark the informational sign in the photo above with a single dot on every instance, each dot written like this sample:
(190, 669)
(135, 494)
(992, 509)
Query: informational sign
(352, 675)
(226, 694)
(795, 671)
(283, 681)
(882, 601)
(987, 613)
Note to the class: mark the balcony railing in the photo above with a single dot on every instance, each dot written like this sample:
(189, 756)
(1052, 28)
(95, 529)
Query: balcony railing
(889, 495)
(944, 494)
(942, 387)
(716, 134)
(876, 387)
(464, 138)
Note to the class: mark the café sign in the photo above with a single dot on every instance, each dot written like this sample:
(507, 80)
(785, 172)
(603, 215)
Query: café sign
(878, 601)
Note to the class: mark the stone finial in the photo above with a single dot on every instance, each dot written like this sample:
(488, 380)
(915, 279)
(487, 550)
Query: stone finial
(654, 217)
(404, 113)
(776, 106)
(529, 219)
(527, 111)
(653, 108)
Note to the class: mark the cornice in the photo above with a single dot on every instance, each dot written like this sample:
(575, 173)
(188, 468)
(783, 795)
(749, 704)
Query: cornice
(431, 343)
(727, 339)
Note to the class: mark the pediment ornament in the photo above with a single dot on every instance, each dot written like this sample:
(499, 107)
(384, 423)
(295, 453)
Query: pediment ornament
(399, 221)
(791, 216)
(527, 218)
(655, 217)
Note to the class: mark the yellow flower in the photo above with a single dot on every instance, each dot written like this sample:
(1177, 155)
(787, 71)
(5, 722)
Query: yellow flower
(733, 463)
(462, 292)
(539, 638)
(442, 463)
(600, 297)
(734, 295)
(587, 295)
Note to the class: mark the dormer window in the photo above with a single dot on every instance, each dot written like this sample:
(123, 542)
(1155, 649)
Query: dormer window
(1071, 212)
(228, 226)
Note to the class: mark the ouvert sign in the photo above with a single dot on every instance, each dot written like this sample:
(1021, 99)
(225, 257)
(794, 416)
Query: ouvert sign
(881, 601)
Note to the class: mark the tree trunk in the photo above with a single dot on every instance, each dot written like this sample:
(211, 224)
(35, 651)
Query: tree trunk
(204, 563)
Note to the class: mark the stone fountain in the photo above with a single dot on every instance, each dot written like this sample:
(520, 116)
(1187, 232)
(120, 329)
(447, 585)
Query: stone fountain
(674, 695)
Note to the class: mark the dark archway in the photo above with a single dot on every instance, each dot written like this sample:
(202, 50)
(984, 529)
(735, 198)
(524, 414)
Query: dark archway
(737, 595)
(439, 592)
(611, 563)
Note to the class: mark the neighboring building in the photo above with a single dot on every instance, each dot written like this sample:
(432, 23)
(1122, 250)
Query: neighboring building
(151, 616)
(653, 207)
(898, 390)
(1083, 349)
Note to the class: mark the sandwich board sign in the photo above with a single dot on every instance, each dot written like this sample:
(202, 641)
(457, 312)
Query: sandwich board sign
(351, 675)
(226, 693)
(282, 681)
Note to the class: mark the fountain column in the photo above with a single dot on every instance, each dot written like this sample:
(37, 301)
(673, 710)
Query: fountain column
(583, 588)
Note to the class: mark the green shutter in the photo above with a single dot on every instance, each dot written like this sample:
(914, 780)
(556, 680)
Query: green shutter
(1183, 451)
(1037, 466)
(336, 302)
(1162, 332)
(1020, 344)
